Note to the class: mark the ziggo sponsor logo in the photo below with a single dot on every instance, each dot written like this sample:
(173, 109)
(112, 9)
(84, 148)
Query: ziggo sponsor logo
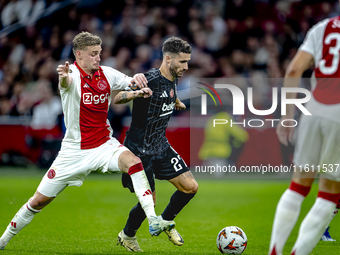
(89, 98)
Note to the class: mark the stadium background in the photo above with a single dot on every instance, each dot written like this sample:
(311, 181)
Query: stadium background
(231, 39)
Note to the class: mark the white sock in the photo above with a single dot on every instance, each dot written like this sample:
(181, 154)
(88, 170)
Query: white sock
(333, 215)
(286, 215)
(144, 194)
(21, 219)
(313, 226)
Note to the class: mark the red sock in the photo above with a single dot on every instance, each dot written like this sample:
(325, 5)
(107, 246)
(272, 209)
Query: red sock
(330, 197)
(303, 190)
(136, 168)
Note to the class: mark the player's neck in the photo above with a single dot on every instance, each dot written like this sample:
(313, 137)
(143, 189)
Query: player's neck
(87, 71)
(165, 71)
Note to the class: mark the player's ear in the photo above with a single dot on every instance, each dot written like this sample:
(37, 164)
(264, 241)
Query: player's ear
(168, 59)
(79, 54)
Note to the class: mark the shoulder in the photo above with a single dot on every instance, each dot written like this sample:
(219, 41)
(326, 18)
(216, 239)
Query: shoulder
(109, 70)
(73, 70)
(111, 73)
(116, 79)
(321, 26)
(153, 74)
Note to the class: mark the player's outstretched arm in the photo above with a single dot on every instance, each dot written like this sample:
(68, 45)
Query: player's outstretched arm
(179, 106)
(139, 80)
(64, 79)
(126, 96)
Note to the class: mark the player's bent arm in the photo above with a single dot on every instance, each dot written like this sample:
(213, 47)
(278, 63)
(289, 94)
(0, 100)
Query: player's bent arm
(300, 63)
(64, 82)
(126, 96)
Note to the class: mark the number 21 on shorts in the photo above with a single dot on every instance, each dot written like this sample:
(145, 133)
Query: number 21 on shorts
(175, 161)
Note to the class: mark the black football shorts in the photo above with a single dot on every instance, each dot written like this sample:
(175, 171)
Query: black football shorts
(165, 166)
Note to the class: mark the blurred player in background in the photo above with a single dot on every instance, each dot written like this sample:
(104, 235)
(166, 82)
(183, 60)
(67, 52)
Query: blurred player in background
(317, 144)
(146, 138)
(85, 89)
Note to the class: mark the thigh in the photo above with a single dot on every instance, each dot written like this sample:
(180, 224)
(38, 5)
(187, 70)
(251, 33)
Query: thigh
(185, 183)
(105, 158)
(69, 168)
(330, 153)
(170, 165)
(309, 139)
(50, 189)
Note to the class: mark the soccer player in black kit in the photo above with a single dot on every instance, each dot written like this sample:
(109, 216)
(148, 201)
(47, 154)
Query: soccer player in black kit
(146, 139)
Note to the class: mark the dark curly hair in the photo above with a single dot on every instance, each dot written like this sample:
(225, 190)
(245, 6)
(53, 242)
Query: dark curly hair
(175, 45)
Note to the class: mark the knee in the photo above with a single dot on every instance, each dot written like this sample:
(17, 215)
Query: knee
(134, 160)
(126, 160)
(39, 202)
(36, 203)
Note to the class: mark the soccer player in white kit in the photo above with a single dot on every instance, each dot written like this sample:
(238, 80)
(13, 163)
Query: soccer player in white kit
(88, 145)
(317, 143)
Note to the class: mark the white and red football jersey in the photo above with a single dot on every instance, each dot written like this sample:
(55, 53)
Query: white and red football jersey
(85, 106)
(323, 42)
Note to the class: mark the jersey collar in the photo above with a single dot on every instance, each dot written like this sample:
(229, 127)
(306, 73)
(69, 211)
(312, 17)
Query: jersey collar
(85, 75)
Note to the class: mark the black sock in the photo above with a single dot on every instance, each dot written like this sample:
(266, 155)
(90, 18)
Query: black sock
(136, 218)
(177, 201)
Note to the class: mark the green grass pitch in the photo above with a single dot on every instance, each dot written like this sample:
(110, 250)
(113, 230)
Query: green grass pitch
(86, 220)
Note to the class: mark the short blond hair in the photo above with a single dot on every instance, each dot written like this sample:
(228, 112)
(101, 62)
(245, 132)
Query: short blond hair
(84, 40)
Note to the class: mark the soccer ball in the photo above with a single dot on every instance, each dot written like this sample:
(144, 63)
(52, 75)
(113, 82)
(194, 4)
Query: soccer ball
(231, 240)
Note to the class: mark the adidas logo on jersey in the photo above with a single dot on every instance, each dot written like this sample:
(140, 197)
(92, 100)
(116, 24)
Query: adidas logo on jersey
(86, 86)
(164, 94)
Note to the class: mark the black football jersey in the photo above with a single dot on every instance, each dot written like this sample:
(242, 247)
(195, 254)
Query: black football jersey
(150, 116)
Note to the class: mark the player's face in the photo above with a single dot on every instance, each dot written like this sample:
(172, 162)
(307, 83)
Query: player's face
(179, 64)
(91, 58)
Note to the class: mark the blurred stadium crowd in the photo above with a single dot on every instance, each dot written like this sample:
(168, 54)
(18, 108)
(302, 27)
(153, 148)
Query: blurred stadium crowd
(230, 38)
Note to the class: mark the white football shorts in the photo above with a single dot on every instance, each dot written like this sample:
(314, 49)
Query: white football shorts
(318, 146)
(72, 166)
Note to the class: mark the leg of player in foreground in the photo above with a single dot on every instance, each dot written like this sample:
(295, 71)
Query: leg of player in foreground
(314, 224)
(128, 163)
(326, 235)
(186, 189)
(318, 217)
(288, 210)
(143, 193)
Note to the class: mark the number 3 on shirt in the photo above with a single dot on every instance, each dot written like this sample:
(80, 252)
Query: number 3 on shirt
(333, 51)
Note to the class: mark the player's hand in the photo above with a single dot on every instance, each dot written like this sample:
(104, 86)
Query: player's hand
(179, 106)
(63, 70)
(285, 134)
(139, 80)
(145, 92)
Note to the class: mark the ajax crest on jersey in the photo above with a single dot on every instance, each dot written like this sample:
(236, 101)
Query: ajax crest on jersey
(102, 85)
(231, 240)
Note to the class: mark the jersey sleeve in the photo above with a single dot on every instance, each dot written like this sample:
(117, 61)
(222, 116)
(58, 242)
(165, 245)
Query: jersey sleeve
(74, 74)
(116, 79)
(313, 41)
(152, 77)
(309, 43)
